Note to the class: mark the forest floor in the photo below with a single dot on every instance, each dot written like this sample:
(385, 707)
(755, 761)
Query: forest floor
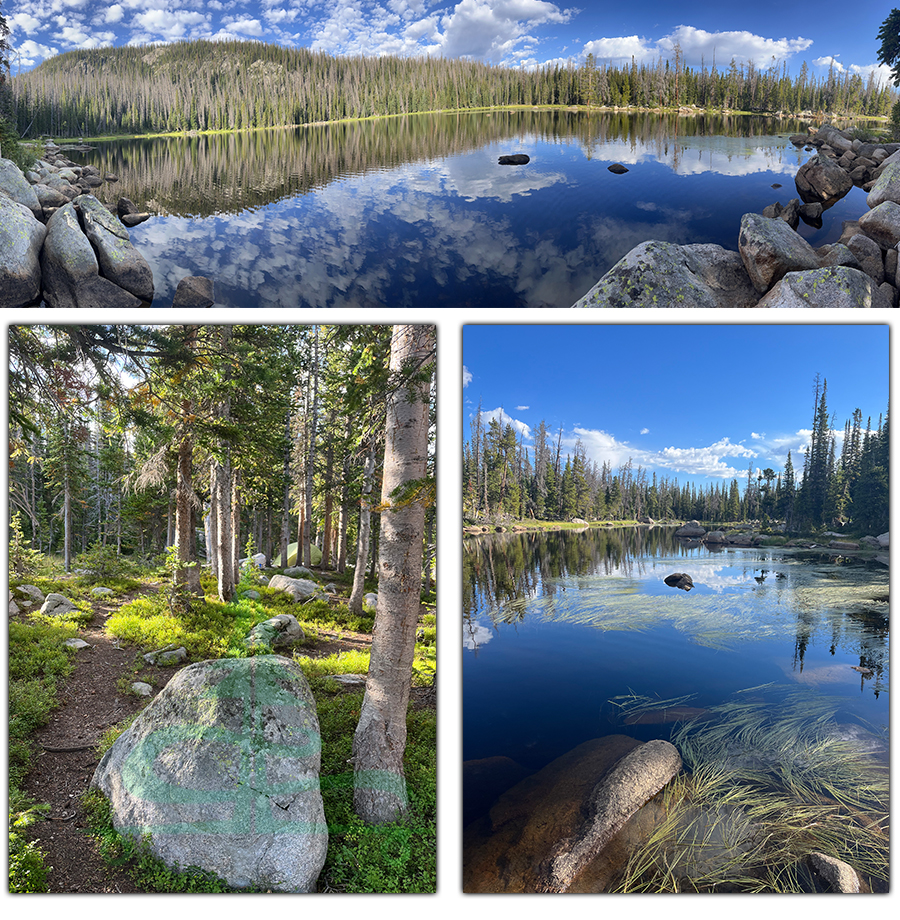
(94, 698)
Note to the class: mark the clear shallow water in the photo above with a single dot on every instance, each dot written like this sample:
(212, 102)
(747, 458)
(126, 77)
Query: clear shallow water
(415, 211)
(557, 625)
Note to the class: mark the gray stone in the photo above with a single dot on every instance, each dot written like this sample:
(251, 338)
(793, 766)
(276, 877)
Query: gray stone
(194, 292)
(658, 274)
(889, 294)
(101, 592)
(882, 224)
(887, 185)
(21, 238)
(70, 270)
(56, 605)
(890, 264)
(298, 571)
(76, 643)
(770, 249)
(221, 771)
(141, 688)
(821, 179)
(836, 875)
(119, 261)
(868, 254)
(167, 656)
(837, 254)
(33, 592)
(50, 198)
(811, 211)
(835, 138)
(790, 214)
(132, 220)
(636, 778)
(716, 536)
(277, 632)
(835, 287)
(370, 601)
(691, 529)
(14, 186)
(299, 588)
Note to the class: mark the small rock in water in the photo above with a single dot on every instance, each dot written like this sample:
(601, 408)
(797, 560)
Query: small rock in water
(515, 159)
(679, 580)
(617, 168)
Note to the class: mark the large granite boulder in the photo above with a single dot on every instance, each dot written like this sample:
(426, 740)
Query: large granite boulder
(770, 249)
(300, 589)
(15, 186)
(691, 529)
(221, 772)
(821, 179)
(21, 238)
(834, 287)
(882, 224)
(70, 270)
(280, 631)
(658, 274)
(887, 185)
(119, 261)
(573, 823)
(57, 605)
(868, 254)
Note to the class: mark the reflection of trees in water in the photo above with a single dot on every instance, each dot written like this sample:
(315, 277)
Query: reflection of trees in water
(842, 607)
(202, 175)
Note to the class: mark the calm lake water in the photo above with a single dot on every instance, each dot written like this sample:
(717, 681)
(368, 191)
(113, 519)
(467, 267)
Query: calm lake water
(416, 211)
(559, 628)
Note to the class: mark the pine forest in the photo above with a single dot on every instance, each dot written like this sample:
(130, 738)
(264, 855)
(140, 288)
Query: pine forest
(505, 480)
(205, 86)
(190, 496)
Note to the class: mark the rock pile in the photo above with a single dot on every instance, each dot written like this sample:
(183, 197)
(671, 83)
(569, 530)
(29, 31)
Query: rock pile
(60, 244)
(774, 266)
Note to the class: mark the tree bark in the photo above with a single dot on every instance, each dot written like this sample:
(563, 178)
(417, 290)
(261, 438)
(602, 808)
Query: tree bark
(362, 542)
(379, 784)
(187, 574)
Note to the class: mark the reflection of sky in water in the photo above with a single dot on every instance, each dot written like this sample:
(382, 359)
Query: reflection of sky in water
(463, 231)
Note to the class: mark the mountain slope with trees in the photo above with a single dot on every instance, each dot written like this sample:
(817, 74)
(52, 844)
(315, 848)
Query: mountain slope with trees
(233, 85)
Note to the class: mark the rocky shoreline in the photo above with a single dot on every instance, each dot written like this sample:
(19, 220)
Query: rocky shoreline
(774, 266)
(63, 247)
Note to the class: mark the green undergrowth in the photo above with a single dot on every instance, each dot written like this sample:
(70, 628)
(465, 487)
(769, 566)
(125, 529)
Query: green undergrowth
(38, 660)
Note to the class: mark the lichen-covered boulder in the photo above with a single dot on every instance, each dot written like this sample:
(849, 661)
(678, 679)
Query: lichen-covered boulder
(70, 270)
(299, 588)
(770, 249)
(21, 238)
(887, 185)
(221, 772)
(15, 186)
(834, 287)
(119, 261)
(659, 274)
(277, 632)
(57, 605)
(882, 224)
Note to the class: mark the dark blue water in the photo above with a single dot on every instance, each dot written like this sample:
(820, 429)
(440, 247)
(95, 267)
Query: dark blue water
(417, 211)
(558, 625)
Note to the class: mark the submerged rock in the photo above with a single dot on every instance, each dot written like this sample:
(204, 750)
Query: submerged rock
(564, 824)
(514, 159)
(679, 580)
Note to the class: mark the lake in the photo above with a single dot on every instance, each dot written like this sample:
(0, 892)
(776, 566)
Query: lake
(570, 636)
(415, 210)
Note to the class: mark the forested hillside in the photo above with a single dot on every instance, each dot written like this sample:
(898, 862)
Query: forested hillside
(203, 85)
(503, 478)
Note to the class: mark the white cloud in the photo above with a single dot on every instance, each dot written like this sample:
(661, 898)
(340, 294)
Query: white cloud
(699, 45)
(467, 376)
(24, 21)
(171, 24)
(645, 431)
(31, 53)
(522, 408)
(503, 420)
(245, 26)
(114, 14)
(756, 437)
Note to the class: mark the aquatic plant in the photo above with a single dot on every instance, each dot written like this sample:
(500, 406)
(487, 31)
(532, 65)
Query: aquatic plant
(768, 780)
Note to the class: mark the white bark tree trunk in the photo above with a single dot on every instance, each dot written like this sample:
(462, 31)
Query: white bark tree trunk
(379, 783)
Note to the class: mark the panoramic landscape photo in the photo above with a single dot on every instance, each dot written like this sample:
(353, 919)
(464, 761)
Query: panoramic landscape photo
(479, 153)
(676, 663)
(222, 609)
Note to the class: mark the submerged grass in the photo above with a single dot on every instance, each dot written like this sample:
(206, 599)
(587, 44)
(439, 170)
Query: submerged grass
(766, 784)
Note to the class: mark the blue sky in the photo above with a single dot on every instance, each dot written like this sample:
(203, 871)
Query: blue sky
(692, 402)
(513, 32)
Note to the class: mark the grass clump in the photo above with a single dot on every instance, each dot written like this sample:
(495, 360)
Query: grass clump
(767, 783)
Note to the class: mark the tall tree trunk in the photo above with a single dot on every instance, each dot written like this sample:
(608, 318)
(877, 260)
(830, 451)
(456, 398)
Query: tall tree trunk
(362, 541)
(286, 497)
(379, 784)
(328, 486)
(224, 545)
(187, 574)
(311, 456)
